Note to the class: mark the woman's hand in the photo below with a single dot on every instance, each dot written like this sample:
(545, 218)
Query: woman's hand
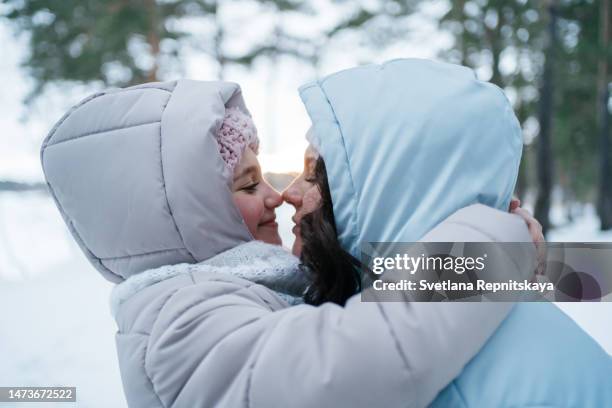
(535, 230)
(534, 226)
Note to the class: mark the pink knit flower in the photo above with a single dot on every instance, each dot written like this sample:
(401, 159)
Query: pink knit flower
(236, 133)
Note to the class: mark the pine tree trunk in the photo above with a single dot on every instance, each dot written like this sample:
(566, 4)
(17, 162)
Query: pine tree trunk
(218, 52)
(463, 34)
(522, 182)
(605, 188)
(220, 57)
(544, 150)
(493, 37)
(153, 38)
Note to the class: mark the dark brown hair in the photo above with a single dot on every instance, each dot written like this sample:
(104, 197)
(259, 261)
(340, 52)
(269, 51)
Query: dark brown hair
(333, 271)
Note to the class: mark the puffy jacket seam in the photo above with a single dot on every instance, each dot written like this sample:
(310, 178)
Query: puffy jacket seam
(252, 284)
(200, 300)
(46, 143)
(170, 296)
(510, 116)
(339, 73)
(71, 227)
(103, 131)
(163, 179)
(460, 394)
(398, 348)
(148, 343)
(82, 103)
(63, 119)
(267, 302)
(144, 367)
(78, 237)
(253, 364)
(175, 291)
(144, 88)
(112, 258)
(355, 214)
(133, 333)
(234, 291)
(306, 87)
(219, 277)
(234, 330)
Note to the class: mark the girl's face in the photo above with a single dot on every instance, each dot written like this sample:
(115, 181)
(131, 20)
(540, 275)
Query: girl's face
(256, 199)
(304, 195)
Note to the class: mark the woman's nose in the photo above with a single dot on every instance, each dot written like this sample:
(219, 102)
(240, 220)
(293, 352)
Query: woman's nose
(292, 195)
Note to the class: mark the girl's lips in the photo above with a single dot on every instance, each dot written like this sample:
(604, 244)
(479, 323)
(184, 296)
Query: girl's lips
(271, 223)
(295, 229)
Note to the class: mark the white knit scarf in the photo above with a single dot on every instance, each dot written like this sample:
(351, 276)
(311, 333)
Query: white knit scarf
(269, 265)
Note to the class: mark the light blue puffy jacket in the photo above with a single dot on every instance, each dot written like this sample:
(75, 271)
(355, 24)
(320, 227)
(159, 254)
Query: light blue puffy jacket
(408, 143)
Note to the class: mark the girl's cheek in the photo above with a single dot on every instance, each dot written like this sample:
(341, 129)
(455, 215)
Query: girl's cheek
(250, 208)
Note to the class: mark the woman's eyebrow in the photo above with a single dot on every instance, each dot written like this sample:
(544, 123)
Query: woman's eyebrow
(250, 169)
(310, 163)
(308, 160)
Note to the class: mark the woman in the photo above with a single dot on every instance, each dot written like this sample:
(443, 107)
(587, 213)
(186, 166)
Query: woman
(441, 140)
(203, 310)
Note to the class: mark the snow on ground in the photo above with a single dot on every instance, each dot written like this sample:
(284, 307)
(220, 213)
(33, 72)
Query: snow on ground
(585, 230)
(57, 330)
(595, 318)
(55, 325)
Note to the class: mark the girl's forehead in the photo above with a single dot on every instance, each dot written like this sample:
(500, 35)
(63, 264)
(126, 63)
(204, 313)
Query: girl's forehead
(248, 164)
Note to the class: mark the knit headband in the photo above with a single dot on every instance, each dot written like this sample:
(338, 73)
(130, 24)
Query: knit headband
(236, 133)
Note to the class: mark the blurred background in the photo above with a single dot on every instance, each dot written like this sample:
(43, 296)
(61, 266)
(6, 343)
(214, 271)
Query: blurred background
(552, 57)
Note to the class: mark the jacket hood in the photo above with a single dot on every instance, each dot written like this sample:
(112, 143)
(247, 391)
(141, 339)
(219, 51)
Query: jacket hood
(138, 178)
(408, 143)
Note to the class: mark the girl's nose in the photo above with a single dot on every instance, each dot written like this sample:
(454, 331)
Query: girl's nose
(273, 199)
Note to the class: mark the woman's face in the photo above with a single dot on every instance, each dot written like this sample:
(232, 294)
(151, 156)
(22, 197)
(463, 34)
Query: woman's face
(256, 199)
(304, 195)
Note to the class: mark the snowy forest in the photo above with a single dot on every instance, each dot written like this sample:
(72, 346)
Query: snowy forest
(551, 57)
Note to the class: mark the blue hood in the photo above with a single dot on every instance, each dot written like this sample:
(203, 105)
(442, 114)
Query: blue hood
(408, 143)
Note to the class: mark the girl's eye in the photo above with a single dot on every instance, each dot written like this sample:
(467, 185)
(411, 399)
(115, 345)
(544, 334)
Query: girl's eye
(251, 188)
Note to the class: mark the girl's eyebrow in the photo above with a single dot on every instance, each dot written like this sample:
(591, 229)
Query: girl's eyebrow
(250, 169)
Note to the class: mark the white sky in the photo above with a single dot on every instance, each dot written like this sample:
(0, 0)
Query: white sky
(270, 91)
